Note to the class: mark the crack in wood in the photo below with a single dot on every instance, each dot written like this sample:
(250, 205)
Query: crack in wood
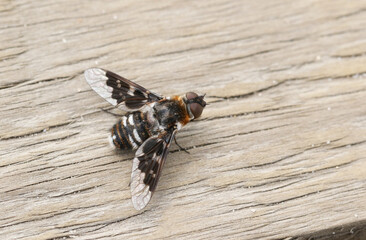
(35, 132)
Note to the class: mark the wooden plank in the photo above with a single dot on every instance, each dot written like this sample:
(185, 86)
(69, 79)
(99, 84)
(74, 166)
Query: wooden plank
(278, 154)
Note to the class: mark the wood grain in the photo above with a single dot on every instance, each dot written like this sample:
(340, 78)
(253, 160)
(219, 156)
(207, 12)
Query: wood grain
(278, 154)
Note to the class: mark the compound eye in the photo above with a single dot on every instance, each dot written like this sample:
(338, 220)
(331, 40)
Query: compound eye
(196, 109)
(195, 103)
(191, 95)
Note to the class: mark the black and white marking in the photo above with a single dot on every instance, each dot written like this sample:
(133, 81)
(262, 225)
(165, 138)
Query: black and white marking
(118, 90)
(146, 169)
(131, 131)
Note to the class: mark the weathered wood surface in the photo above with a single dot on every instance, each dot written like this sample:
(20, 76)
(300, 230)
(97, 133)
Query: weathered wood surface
(280, 152)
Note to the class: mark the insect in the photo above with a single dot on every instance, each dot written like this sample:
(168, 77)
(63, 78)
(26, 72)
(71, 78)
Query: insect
(149, 126)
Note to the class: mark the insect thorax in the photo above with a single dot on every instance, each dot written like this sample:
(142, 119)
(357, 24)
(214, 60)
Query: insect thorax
(134, 128)
(170, 112)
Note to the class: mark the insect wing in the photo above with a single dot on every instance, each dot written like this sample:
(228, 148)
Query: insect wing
(147, 165)
(118, 90)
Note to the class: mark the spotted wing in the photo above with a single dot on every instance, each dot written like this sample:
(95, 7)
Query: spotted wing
(147, 165)
(118, 90)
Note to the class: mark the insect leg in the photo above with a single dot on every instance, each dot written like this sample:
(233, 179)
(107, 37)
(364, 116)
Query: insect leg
(180, 148)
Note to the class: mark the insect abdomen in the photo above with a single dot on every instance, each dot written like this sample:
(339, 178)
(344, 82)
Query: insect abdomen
(131, 131)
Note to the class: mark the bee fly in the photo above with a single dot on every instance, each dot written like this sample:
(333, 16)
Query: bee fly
(149, 126)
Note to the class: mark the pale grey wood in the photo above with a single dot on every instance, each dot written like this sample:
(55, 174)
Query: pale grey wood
(278, 153)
